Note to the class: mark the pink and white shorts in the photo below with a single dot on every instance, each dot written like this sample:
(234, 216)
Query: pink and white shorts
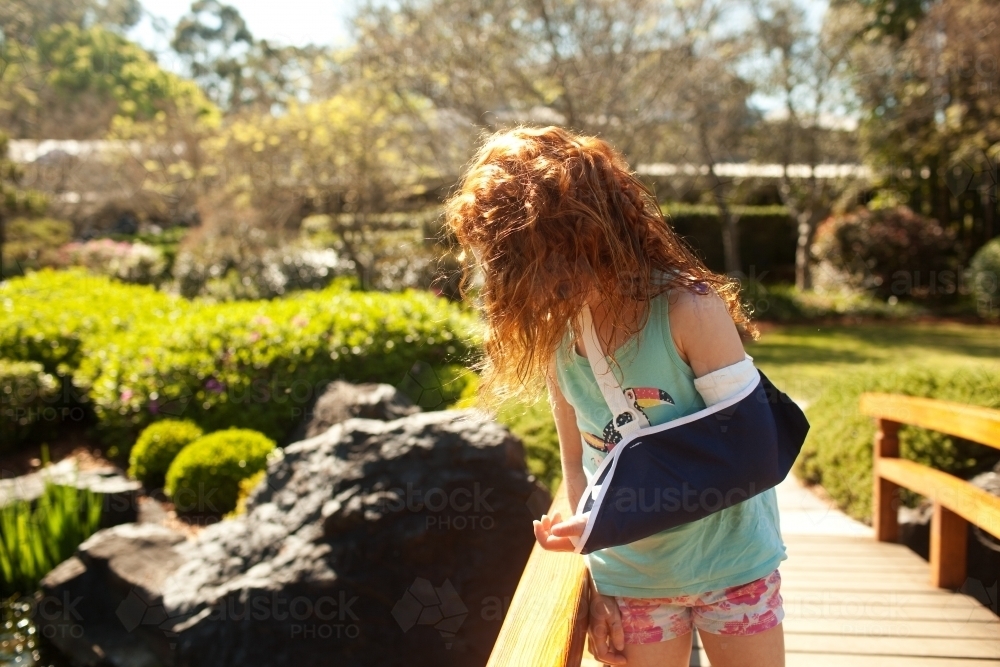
(739, 610)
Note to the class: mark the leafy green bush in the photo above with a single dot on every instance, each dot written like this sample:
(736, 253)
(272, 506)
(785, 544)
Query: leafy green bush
(33, 540)
(46, 315)
(984, 276)
(247, 485)
(205, 477)
(31, 243)
(889, 251)
(534, 425)
(838, 450)
(157, 447)
(259, 364)
(129, 262)
(26, 392)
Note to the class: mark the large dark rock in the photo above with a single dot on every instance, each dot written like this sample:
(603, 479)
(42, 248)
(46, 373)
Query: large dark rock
(374, 543)
(342, 400)
(104, 605)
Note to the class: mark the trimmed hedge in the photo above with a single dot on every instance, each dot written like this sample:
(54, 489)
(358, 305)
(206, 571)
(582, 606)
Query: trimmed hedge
(46, 315)
(261, 364)
(26, 393)
(838, 450)
(157, 447)
(205, 477)
(767, 238)
(137, 355)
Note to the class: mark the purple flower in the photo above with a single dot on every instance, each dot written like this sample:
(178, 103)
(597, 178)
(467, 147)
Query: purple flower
(214, 385)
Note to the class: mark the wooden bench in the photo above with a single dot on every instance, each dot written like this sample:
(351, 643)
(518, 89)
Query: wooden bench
(546, 623)
(956, 502)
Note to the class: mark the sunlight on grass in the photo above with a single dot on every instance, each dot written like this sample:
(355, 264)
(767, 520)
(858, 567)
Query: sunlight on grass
(801, 359)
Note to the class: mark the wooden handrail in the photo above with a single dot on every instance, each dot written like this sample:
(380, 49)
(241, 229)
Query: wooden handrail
(965, 421)
(547, 620)
(956, 502)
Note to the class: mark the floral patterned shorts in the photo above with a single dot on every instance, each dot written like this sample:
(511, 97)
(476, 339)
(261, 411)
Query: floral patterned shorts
(738, 610)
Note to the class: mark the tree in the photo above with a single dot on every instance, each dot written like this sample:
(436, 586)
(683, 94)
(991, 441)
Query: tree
(710, 107)
(655, 78)
(607, 67)
(806, 75)
(13, 198)
(234, 69)
(22, 20)
(213, 40)
(350, 158)
(930, 114)
(72, 82)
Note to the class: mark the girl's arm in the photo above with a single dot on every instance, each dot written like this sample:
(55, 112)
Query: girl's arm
(606, 635)
(703, 331)
(570, 442)
(571, 456)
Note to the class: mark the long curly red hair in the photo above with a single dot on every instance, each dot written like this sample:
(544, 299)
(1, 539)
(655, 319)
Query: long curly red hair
(552, 220)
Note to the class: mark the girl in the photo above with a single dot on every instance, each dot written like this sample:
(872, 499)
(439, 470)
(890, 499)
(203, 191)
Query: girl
(557, 221)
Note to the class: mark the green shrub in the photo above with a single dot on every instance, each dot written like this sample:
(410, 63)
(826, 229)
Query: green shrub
(259, 364)
(838, 450)
(888, 251)
(31, 243)
(205, 477)
(27, 394)
(534, 425)
(46, 315)
(157, 447)
(129, 262)
(33, 540)
(984, 276)
(247, 485)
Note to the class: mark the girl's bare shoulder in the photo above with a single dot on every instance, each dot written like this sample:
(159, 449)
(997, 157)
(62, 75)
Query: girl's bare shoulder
(703, 330)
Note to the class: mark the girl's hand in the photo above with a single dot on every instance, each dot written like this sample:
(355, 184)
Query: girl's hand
(553, 533)
(606, 636)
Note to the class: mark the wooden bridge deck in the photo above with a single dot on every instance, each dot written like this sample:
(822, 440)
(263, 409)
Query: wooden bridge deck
(853, 601)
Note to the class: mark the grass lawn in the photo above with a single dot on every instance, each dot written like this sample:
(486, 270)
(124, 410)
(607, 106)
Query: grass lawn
(800, 359)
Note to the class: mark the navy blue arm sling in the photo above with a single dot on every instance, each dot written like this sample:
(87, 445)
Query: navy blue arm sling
(660, 477)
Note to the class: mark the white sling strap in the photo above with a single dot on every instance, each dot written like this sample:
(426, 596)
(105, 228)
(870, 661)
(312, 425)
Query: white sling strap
(624, 415)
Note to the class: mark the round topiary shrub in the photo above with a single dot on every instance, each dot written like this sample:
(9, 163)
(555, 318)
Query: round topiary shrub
(157, 447)
(837, 452)
(205, 477)
(984, 276)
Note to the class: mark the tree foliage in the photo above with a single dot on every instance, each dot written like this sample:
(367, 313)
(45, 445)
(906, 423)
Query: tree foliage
(931, 122)
(72, 82)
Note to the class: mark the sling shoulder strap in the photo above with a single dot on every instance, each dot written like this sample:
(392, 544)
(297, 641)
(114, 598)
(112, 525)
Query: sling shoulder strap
(626, 416)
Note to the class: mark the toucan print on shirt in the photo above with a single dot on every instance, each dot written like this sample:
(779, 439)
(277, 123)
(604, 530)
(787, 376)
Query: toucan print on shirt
(638, 397)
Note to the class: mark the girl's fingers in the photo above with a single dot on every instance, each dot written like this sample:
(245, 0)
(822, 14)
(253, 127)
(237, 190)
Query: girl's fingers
(617, 631)
(572, 526)
(550, 542)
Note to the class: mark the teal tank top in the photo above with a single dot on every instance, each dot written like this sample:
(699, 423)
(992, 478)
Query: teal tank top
(727, 548)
